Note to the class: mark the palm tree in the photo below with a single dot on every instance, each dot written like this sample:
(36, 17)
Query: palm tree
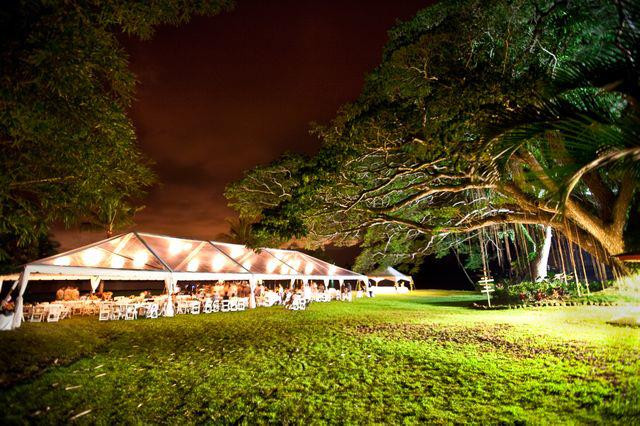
(113, 214)
(239, 231)
(585, 132)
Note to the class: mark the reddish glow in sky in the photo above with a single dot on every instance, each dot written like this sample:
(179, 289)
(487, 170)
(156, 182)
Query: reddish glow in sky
(221, 95)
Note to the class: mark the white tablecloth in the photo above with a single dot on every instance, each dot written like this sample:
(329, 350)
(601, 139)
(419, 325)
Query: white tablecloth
(5, 321)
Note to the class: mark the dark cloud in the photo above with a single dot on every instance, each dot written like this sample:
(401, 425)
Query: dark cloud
(221, 95)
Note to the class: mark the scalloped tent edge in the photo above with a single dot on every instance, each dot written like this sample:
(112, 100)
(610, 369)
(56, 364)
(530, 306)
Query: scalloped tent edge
(138, 256)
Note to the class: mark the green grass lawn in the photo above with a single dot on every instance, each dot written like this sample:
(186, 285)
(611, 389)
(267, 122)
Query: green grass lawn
(424, 357)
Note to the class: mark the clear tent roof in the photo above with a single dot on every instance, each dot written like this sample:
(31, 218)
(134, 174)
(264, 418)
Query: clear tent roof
(150, 252)
(389, 272)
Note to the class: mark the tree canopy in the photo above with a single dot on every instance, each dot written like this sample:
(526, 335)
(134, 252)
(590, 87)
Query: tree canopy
(482, 115)
(67, 147)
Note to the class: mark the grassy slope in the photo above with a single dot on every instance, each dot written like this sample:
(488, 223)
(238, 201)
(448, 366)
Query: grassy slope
(424, 357)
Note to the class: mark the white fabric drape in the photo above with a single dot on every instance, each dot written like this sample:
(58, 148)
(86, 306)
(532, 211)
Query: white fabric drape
(22, 286)
(170, 284)
(95, 283)
(252, 295)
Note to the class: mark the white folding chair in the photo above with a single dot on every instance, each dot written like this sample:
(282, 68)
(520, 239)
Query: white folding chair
(38, 314)
(208, 306)
(152, 310)
(225, 306)
(105, 312)
(65, 312)
(233, 305)
(216, 306)
(195, 307)
(163, 308)
(87, 308)
(77, 308)
(130, 312)
(54, 313)
(240, 305)
(27, 311)
(267, 301)
(183, 308)
(116, 312)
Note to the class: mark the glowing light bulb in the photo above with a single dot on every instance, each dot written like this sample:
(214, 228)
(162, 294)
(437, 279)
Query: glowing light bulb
(193, 265)
(236, 251)
(332, 270)
(271, 265)
(296, 264)
(247, 265)
(175, 247)
(283, 269)
(217, 263)
(92, 256)
(308, 269)
(117, 262)
(62, 261)
(140, 259)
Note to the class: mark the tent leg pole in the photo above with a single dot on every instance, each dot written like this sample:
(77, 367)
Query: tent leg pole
(170, 284)
(17, 313)
(252, 295)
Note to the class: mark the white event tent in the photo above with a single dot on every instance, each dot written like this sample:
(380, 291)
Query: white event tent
(150, 257)
(390, 274)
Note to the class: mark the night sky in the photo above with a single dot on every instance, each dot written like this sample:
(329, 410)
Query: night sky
(223, 94)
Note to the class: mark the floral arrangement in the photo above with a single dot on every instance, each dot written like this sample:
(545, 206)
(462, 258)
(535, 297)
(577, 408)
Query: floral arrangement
(7, 307)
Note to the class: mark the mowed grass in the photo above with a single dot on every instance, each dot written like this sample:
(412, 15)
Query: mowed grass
(425, 357)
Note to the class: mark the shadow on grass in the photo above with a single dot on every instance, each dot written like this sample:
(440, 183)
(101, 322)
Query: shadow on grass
(456, 303)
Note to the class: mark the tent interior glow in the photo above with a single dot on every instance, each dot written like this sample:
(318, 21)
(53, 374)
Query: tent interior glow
(151, 257)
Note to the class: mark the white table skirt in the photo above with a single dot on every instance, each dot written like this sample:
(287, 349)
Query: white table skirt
(6, 321)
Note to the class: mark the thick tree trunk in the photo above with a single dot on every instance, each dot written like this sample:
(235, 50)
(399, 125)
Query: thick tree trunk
(540, 264)
(609, 236)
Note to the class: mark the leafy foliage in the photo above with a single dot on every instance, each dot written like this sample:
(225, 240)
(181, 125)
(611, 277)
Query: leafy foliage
(239, 232)
(67, 147)
(44, 246)
(473, 120)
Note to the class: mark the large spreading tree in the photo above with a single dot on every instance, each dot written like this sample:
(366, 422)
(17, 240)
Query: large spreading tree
(483, 117)
(67, 147)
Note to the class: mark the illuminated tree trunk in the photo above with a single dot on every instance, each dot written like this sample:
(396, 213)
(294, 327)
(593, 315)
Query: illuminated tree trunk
(540, 264)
